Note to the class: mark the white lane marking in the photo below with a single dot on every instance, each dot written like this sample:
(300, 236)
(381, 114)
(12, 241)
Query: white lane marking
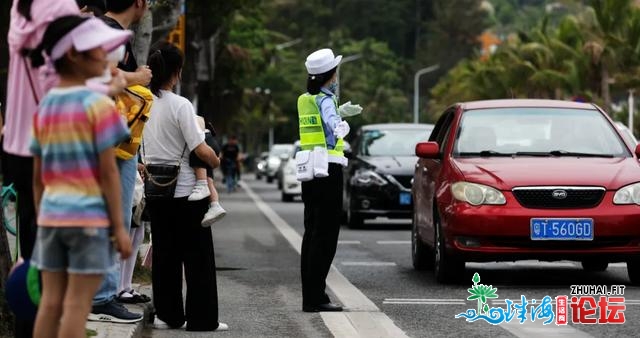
(423, 303)
(522, 264)
(617, 265)
(368, 263)
(361, 324)
(424, 299)
(351, 297)
(348, 242)
(393, 242)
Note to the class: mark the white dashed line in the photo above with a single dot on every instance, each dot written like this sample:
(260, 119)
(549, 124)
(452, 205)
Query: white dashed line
(348, 242)
(368, 263)
(393, 242)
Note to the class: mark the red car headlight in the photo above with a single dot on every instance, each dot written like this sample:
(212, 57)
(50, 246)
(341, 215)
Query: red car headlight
(629, 194)
(477, 194)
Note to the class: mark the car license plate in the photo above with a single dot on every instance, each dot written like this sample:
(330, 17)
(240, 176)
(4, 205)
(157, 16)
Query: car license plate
(405, 198)
(562, 229)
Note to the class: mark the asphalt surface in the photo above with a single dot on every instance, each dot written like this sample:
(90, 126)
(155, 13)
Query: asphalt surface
(258, 280)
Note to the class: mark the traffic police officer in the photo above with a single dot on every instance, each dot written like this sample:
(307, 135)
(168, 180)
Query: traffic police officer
(321, 126)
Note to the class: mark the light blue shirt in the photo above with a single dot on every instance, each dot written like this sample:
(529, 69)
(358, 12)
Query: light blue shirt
(329, 114)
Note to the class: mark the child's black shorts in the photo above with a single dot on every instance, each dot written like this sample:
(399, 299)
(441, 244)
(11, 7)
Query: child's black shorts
(196, 162)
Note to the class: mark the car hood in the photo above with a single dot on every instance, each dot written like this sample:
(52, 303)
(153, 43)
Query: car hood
(506, 173)
(394, 165)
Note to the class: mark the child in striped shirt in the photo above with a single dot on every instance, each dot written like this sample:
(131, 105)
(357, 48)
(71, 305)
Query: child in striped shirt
(76, 181)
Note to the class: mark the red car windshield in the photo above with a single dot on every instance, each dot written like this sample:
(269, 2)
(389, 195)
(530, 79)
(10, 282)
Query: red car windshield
(537, 132)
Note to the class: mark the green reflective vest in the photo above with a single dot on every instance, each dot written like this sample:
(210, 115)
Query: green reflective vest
(310, 125)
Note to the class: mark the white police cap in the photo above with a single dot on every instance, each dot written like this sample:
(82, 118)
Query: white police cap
(321, 61)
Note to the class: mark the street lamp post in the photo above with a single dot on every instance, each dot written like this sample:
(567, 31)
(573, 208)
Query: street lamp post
(265, 109)
(345, 60)
(267, 105)
(416, 89)
(280, 47)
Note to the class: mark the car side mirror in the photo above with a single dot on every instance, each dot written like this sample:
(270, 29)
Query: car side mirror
(638, 150)
(428, 150)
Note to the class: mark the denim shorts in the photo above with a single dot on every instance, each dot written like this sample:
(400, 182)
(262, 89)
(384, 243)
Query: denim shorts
(75, 250)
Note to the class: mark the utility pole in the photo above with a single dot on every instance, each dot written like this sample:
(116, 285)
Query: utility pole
(416, 89)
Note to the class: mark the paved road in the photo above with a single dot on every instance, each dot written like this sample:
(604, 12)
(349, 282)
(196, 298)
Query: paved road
(260, 292)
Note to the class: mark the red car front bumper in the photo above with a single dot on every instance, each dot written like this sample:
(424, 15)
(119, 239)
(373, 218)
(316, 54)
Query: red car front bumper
(503, 232)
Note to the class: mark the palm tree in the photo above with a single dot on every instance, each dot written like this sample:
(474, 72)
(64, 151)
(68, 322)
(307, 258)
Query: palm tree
(606, 26)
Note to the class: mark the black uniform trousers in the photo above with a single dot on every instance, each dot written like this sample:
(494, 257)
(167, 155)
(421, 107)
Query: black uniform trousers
(322, 209)
(179, 240)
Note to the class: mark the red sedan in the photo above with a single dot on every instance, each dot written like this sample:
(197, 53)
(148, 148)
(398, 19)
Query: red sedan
(507, 180)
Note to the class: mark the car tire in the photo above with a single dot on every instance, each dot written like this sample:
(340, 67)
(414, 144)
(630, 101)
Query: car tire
(258, 177)
(354, 220)
(633, 270)
(280, 184)
(595, 265)
(269, 179)
(421, 255)
(286, 197)
(447, 269)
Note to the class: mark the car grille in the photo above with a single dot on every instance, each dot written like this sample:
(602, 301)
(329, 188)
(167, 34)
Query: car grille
(405, 181)
(543, 197)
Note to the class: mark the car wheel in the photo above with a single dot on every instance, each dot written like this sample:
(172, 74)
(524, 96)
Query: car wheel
(421, 255)
(280, 184)
(269, 179)
(447, 269)
(595, 265)
(633, 270)
(258, 177)
(286, 197)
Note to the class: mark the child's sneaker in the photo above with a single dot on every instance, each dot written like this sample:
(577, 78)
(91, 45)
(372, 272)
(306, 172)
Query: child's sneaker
(215, 213)
(200, 191)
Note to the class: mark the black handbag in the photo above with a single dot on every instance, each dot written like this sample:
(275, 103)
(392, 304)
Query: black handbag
(160, 180)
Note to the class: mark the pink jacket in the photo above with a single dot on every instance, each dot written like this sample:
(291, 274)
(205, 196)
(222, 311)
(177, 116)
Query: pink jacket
(21, 104)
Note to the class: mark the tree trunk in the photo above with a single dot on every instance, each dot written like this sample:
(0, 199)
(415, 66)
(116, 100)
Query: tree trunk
(142, 41)
(604, 87)
(165, 18)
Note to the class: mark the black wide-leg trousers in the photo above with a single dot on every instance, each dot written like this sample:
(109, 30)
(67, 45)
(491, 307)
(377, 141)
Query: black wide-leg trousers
(322, 214)
(179, 240)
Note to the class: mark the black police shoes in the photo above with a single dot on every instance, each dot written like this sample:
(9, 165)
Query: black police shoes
(329, 307)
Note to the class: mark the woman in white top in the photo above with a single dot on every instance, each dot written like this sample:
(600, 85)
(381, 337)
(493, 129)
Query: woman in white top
(178, 238)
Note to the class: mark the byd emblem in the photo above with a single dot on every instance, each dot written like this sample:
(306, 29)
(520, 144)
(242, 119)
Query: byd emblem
(559, 194)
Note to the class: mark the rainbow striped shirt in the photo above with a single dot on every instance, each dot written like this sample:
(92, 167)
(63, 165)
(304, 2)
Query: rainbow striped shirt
(71, 128)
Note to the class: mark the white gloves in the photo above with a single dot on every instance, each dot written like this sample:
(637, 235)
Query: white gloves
(348, 109)
(341, 130)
